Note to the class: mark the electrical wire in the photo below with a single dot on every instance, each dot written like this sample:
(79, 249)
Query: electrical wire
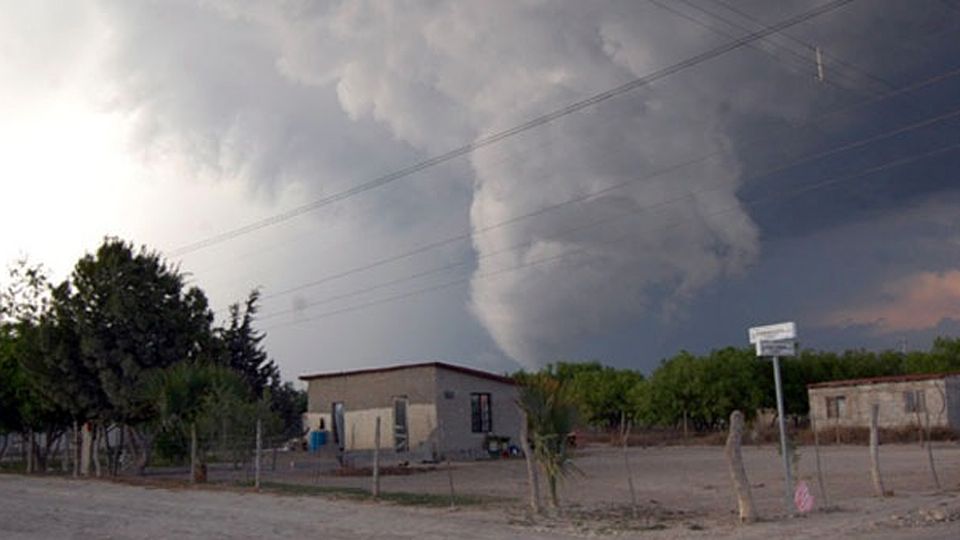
(597, 193)
(496, 137)
(543, 260)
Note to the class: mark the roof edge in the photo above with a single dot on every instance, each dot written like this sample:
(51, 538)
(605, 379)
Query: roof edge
(439, 365)
(884, 379)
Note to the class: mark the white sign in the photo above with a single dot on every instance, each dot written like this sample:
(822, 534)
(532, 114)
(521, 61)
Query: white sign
(786, 347)
(773, 332)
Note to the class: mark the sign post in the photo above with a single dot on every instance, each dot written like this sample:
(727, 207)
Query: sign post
(777, 340)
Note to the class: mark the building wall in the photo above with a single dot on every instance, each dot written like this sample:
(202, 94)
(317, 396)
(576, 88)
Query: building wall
(454, 412)
(952, 386)
(893, 412)
(368, 395)
(438, 411)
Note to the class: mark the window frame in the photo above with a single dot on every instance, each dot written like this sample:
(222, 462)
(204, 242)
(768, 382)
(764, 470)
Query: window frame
(836, 406)
(481, 412)
(914, 401)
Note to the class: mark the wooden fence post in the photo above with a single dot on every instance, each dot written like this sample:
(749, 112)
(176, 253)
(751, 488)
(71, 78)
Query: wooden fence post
(816, 451)
(256, 468)
(193, 452)
(738, 473)
(625, 434)
(933, 468)
(875, 451)
(533, 481)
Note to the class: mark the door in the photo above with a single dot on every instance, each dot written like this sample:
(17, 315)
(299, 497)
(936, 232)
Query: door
(338, 425)
(401, 436)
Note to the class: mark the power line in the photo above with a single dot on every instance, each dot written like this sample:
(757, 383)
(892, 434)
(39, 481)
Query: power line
(510, 132)
(830, 56)
(536, 262)
(596, 193)
(860, 143)
(803, 60)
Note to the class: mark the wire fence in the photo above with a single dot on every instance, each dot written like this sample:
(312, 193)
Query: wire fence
(642, 477)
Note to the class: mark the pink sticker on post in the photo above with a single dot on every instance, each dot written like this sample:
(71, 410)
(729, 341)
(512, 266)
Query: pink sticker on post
(802, 497)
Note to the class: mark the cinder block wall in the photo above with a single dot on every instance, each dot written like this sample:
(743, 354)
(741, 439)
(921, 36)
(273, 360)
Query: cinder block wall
(368, 395)
(941, 397)
(454, 412)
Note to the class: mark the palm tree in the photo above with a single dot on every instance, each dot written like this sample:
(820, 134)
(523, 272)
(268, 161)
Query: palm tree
(550, 416)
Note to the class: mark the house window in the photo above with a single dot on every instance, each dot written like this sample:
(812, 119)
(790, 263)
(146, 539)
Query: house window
(914, 401)
(836, 407)
(481, 415)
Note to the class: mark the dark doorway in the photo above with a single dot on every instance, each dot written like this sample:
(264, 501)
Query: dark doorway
(338, 426)
(401, 436)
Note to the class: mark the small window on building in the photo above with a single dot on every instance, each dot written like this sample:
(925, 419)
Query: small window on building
(914, 401)
(836, 407)
(481, 414)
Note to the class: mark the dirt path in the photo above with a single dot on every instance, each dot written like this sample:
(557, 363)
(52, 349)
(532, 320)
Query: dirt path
(60, 508)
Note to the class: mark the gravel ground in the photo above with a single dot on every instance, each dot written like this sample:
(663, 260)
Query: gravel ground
(682, 493)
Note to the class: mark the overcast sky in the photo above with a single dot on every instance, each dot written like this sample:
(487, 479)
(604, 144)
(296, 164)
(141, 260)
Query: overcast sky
(737, 191)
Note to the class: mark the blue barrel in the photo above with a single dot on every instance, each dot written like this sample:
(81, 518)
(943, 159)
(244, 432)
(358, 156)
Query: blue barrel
(317, 439)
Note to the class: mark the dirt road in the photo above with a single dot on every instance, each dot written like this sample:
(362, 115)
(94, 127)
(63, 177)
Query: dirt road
(35, 508)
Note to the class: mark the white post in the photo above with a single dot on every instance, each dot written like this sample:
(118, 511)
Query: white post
(788, 478)
(256, 474)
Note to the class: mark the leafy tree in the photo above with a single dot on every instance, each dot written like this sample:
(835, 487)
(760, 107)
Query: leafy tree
(133, 314)
(244, 350)
(288, 404)
(676, 390)
(191, 400)
(245, 354)
(601, 392)
(23, 303)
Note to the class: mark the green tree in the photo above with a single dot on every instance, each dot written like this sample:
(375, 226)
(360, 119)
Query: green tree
(191, 400)
(676, 390)
(23, 408)
(244, 350)
(245, 354)
(133, 314)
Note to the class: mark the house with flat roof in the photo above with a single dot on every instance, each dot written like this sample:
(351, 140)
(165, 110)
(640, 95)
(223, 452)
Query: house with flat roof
(904, 400)
(426, 410)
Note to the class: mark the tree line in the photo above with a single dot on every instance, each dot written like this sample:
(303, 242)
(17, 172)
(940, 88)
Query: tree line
(698, 392)
(125, 352)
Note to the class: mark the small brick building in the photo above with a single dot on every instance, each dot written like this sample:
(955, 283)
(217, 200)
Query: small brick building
(426, 410)
(905, 400)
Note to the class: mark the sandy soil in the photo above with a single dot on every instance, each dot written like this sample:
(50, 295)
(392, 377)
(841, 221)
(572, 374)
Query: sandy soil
(682, 493)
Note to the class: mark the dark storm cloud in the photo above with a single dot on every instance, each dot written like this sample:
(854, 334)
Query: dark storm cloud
(323, 96)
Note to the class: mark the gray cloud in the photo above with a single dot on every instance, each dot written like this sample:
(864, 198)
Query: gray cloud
(322, 96)
(435, 75)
